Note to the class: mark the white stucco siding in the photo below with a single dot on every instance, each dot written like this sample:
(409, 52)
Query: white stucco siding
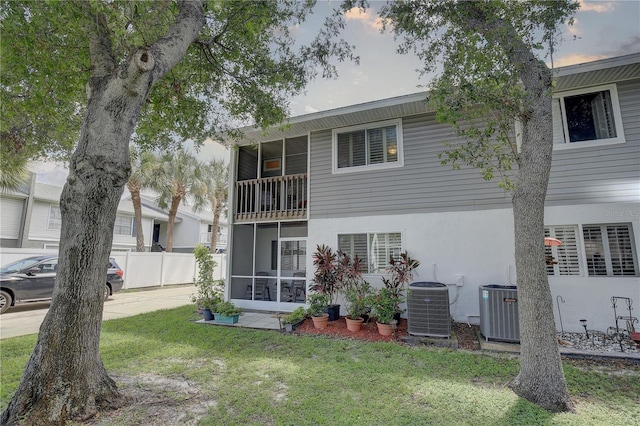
(471, 248)
(476, 248)
(588, 297)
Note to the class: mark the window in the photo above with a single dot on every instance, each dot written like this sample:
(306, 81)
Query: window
(592, 115)
(375, 248)
(123, 226)
(55, 218)
(565, 255)
(378, 145)
(610, 250)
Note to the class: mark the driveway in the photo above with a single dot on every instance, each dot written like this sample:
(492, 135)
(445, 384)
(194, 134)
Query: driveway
(26, 319)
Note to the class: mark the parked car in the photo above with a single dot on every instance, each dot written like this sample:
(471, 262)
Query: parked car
(32, 279)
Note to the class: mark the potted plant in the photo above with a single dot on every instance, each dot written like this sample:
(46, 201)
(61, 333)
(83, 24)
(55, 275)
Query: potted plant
(317, 307)
(356, 291)
(210, 305)
(209, 291)
(293, 319)
(227, 313)
(326, 278)
(385, 305)
(401, 273)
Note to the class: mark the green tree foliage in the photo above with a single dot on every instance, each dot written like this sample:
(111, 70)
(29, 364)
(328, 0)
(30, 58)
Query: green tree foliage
(492, 76)
(42, 94)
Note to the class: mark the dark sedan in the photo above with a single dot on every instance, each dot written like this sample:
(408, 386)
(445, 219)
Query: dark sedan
(32, 279)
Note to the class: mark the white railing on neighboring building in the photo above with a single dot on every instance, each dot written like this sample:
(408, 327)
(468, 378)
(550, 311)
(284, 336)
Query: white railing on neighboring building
(141, 269)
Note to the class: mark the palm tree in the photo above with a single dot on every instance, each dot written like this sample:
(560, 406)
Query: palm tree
(213, 190)
(13, 163)
(177, 178)
(144, 167)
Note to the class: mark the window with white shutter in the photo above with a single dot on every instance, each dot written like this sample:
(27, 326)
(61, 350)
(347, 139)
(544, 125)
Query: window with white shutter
(610, 250)
(377, 145)
(373, 248)
(566, 255)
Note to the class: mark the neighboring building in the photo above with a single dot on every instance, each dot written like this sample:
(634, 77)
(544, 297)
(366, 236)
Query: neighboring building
(191, 227)
(366, 179)
(30, 218)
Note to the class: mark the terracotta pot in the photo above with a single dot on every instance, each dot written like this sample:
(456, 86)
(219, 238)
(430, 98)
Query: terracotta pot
(385, 329)
(320, 322)
(635, 336)
(354, 324)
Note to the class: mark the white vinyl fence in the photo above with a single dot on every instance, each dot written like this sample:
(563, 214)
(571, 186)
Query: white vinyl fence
(141, 269)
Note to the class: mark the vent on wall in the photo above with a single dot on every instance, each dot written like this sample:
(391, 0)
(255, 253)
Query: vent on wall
(428, 309)
(499, 313)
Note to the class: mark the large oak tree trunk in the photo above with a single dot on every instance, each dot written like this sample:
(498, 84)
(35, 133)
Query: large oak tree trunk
(64, 377)
(541, 378)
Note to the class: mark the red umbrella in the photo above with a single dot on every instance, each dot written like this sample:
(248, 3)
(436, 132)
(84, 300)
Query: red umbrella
(552, 242)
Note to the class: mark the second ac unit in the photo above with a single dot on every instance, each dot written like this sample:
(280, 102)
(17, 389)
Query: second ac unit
(499, 312)
(428, 309)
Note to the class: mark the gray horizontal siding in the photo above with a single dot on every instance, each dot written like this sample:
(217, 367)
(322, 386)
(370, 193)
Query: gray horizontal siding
(579, 176)
(599, 174)
(422, 185)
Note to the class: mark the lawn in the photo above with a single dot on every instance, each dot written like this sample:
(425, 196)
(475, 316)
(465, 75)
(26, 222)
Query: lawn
(180, 372)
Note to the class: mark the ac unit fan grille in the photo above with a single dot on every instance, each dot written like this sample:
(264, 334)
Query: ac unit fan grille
(428, 311)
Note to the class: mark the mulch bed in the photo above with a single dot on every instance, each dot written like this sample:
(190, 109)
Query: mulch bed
(465, 334)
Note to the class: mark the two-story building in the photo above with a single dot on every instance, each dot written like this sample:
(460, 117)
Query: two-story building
(30, 218)
(366, 179)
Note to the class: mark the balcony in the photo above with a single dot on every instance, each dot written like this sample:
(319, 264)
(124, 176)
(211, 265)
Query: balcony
(272, 198)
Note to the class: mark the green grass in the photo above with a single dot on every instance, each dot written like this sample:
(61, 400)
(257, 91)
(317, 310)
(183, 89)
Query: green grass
(264, 377)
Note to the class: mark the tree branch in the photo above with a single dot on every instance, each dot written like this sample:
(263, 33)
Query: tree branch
(171, 49)
(100, 49)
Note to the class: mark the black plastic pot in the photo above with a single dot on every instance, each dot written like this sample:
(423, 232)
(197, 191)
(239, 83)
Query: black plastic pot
(208, 315)
(333, 311)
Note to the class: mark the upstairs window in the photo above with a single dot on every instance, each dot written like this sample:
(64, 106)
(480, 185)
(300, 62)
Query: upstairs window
(610, 250)
(377, 145)
(590, 115)
(55, 218)
(375, 249)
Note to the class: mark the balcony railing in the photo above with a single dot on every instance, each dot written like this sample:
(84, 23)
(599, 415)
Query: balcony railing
(273, 198)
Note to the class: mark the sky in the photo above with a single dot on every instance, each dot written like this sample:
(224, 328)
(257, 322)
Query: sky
(602, 29)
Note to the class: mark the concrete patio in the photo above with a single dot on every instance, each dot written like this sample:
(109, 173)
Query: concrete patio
(253, 319)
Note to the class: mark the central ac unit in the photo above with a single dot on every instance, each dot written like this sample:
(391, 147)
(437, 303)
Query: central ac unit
(428, 309)
(499, 312)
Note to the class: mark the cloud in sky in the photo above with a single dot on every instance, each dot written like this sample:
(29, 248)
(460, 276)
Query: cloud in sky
(368, 17)
(576, 58)
(597, 6)
(575, 29)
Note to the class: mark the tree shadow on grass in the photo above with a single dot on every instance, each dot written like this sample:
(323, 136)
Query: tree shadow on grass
(524, 412)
